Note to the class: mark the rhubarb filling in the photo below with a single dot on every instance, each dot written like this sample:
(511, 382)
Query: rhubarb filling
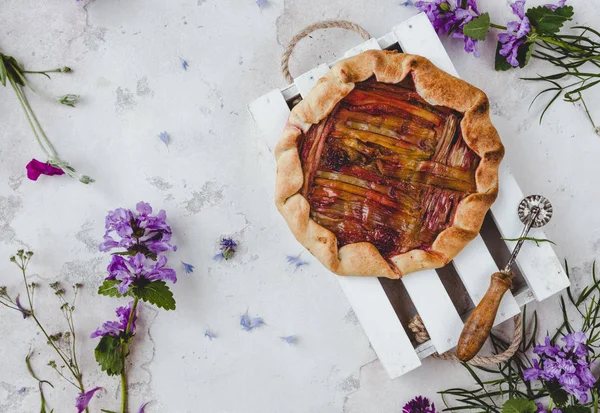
(386, 167)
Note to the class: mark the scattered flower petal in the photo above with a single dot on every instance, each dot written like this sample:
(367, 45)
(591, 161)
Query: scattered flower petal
(22, 390)
(407, 3)
(261, 3)
(36, 168)
(209, 334)
(248, 323)
(291, 340)
(188, 268)
(296, 261)
(143, 406)
(164, 136)
(553, 7)
(84, 399)
(26, 313)
(184, 64)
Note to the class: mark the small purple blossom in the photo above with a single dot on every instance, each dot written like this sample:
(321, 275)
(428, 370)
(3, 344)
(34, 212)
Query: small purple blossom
(26, 313)
(184, 64)
(36, 168)
(131, 269)
(250, 323)
(566, 365)
(291, 340)
(84, 399)
(22, 390)
(295, 261)
(228, 247)
(448, 17)
(165, 138)
(407, 3)
(516, 33)
(553, 7)
(261, 3)
(117, 328)
(188, 268)
(138, 231)
(419, 404)
(209, 334)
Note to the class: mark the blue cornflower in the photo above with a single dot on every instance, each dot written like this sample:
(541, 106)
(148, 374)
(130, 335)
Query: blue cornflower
(188, 268)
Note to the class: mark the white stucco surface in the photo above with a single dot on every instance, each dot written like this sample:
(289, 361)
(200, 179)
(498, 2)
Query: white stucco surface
(215, 178)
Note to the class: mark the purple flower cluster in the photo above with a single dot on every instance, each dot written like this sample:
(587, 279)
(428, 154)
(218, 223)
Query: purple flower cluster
(419, 404)
(516, 33)
(117, 328)
(145, 237)
(566, 365)
(542, 409)
(447, 16)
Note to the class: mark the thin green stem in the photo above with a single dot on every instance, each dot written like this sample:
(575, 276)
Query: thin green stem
(498, 26)
(24, 106)
(124, 354)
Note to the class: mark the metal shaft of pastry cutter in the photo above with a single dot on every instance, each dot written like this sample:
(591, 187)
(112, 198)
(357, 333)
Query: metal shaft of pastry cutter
(533, 214)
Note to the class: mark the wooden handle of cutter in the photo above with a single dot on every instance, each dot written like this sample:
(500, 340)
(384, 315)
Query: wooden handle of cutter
(479, 325)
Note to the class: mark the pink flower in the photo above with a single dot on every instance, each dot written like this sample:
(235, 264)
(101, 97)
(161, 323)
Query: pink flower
(36, 168)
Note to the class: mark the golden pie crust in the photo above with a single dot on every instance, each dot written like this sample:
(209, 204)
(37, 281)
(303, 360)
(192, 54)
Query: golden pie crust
(437, 88)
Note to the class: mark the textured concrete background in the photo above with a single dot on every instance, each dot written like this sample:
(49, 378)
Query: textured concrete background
(216, 178)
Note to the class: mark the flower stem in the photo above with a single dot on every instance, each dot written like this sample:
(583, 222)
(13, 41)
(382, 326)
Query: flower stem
(124, 355)
(497, 26)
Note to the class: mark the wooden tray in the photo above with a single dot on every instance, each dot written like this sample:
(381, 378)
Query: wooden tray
(539, 266)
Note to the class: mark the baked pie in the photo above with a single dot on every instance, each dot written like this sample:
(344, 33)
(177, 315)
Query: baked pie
(387, 166)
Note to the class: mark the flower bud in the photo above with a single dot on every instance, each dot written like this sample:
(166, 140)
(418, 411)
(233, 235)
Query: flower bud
(69, 100)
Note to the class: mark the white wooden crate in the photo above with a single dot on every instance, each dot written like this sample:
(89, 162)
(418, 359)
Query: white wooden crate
(539, 265)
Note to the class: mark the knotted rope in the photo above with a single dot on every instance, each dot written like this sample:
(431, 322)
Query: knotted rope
(327, 24)
(421, 335)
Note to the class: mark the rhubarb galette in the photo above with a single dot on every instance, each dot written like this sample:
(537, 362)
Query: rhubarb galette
(387, 166)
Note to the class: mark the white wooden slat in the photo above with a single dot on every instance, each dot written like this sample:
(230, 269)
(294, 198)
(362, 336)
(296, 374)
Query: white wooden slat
(381, 324)
(435, 308)
(370, 44)
(270, 113)
(417, 36)
(539, 265)
(475, 265)
(307, 80)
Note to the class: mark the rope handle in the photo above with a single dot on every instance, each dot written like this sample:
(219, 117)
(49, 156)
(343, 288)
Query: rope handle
(327, 24)
(418, 328)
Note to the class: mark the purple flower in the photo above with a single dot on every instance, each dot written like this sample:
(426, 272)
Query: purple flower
(84, 399)
(36, 168)
(131, 269)
(26, 313)
(188, 268)
(227, 247)
(448, 17)
(561, 3)
(567, 366)
(137, 231)
(248, 324)
(117, 328)
(516, 34)
(419, 404)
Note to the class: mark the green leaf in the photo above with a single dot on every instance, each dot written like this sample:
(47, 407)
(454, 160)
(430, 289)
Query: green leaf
(107, 411)
(557, 393)
(536, 240)
(524, 55)
(157, 293)
(109, 355)
(519, 406)
(478, 27)
(109, 288)
(576, 408)
(547, 21)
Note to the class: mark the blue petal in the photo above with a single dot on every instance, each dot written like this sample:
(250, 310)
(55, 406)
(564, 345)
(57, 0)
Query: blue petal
(296, 261)
(164, 136)
(188, 268)
(261, 3)
(248, 324)
(219, 257)
(291, 340)
(142, 407)
(184, 64)
(209, 334)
